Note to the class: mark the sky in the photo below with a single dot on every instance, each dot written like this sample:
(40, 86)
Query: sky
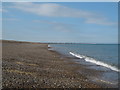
(79, 22)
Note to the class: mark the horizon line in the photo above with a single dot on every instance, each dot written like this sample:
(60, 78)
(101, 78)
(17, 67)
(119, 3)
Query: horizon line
(55, 42)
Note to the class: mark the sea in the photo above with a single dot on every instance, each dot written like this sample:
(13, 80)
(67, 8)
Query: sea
(101, 57)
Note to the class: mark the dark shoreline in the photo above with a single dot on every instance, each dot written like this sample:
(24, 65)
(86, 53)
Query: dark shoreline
(49, 66)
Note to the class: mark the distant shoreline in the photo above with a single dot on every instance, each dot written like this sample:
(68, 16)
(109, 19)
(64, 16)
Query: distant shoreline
(59, 42)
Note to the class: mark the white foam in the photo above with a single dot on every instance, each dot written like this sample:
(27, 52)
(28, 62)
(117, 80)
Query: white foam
(88, 59)
(49, 46)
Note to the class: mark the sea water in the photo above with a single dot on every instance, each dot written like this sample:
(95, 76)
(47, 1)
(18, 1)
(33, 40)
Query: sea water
(101, 56)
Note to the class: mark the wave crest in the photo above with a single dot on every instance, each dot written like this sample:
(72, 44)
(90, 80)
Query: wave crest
(88, 59)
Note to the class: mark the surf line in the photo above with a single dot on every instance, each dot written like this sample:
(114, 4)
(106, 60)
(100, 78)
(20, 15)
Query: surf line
(87, 59)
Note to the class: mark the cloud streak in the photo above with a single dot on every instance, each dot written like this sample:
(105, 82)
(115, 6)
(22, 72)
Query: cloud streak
(57, 25)
(10, 19)
(57, 10)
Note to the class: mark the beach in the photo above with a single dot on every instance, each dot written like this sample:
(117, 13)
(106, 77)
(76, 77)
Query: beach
(32, 65)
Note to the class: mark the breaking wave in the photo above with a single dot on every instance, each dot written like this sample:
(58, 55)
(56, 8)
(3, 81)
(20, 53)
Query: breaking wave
(92, 60)
(49, 46)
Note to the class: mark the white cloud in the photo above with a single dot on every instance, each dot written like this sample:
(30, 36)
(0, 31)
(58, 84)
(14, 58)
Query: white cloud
(56, 10)
(56, 25)
(102, 21)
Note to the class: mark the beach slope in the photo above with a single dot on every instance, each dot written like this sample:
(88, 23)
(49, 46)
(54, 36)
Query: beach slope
(32, 65)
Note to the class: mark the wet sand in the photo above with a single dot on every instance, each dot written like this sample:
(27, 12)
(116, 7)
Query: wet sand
(32, 65)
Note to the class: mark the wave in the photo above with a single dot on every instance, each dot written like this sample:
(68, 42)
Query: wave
(88, 59)
(49, 46)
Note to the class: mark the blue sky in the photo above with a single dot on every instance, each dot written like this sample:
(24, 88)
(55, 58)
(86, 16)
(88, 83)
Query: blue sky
(87, 22)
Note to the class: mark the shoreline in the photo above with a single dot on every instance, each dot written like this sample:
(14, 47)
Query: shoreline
(98, 74)
(32, 65)
(94, 75)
